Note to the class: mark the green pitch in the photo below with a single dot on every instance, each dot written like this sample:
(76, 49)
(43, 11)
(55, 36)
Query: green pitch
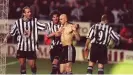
(44, 67)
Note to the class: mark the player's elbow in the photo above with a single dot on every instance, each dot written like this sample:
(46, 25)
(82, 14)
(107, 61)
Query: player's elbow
(78, 38)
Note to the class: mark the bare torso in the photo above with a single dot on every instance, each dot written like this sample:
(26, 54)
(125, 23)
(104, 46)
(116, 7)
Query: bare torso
(67, 35)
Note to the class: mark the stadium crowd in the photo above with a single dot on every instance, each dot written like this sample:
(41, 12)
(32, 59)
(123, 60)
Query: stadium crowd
(120, 11)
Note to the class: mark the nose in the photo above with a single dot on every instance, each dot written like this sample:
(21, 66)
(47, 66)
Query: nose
(30, 13)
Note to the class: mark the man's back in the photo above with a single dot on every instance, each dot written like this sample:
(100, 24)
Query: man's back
(102, 33)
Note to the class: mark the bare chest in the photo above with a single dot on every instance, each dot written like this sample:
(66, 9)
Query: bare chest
(67, 30)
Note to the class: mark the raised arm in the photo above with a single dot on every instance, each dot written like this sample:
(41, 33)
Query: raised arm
(76, 32)
(41, 26)
(116, 37)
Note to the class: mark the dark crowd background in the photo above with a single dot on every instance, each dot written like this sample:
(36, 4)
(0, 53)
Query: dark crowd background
(120, 11)
(120, 14)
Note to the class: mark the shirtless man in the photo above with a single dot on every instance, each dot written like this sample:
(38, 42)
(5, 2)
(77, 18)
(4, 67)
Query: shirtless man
(68, 32)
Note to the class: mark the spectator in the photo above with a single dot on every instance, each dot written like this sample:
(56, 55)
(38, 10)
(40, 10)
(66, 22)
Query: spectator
(126, 32)
(52, 6)
(108, 12)
(86, 12)
(44, 9)
(58, 6)
(35, 9)
(12, 10)
(19, 9)
(77, 12)
(67, 9)
(116, 14)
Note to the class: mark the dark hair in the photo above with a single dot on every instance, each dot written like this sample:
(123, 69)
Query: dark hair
(54, 12)
(104, 17)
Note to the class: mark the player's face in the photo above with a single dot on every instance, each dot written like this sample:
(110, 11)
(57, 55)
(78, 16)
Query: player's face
(106, 21)
(27, 13)
(55, 18)
(62, 20)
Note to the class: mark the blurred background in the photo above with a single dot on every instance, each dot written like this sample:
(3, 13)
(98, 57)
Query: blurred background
(83, 12)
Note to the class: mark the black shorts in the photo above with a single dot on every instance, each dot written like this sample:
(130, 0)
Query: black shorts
(26, 54)
(68, 54)
(55, 52)
(98, 53)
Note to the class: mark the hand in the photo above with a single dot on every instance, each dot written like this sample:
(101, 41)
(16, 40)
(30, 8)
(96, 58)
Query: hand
(57, 34)
(60, 29)
(86, 52)
(5, 40)
(27, 33)
(85, 49)
(130, 40)
(74, 27)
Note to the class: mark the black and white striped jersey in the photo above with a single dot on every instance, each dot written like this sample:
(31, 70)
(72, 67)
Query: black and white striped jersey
(27, 33)
(53, 28)
(102, 34)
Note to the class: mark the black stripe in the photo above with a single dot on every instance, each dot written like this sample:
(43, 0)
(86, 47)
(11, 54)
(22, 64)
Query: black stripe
(50, 27)
(22, 35)
(41, 26)
(107, 39)
(27, 46)
(30, 34)
(36, 42)
(19, 29)
(115, 37)
(34, 32)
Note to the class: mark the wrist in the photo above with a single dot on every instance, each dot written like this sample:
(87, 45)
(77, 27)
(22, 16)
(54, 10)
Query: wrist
(86, 48)
(75, 32)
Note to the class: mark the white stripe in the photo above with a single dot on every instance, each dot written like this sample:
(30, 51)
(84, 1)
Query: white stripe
(116, 36)
(52, 27)
(36, 35)
(25, 46)
(69, 53)
(21, 31)
(29, 38)
(106, 34)
(49, 30)
(12, 63)
(32, 39)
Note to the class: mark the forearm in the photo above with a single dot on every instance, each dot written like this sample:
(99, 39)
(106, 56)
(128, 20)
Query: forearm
(77, 35)
(51, 35)
(54, 34)
(7, 36)
(87, 43)
(123, 39)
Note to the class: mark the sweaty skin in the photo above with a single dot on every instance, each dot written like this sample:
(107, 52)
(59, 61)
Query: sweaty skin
(68, 31)
(67, 36)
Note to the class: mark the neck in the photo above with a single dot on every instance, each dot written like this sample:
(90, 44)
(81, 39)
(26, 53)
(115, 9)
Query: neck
(55, 22)
(103, 22)
(66, 24)
(25, 19)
